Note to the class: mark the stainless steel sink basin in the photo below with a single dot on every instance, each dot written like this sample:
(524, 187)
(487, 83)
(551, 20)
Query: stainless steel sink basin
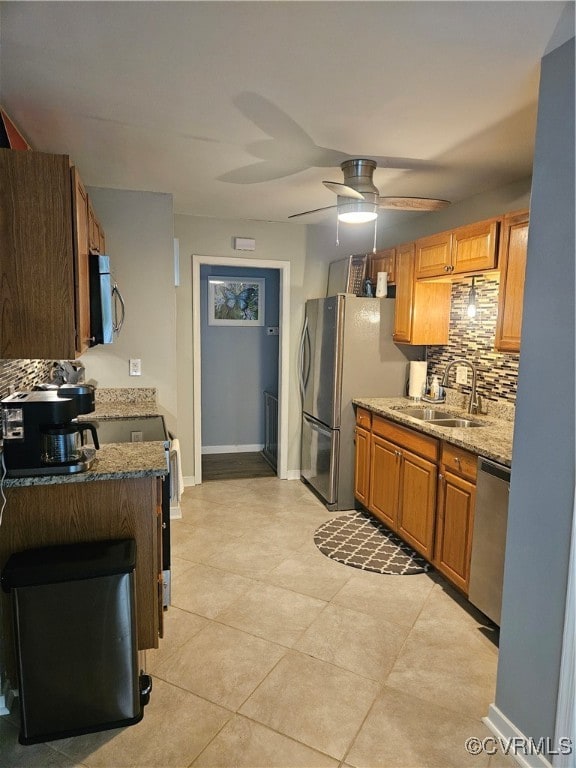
(459, 423)
(425, 414)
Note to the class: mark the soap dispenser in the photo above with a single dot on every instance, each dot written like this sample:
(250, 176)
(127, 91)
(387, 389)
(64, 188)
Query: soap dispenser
(435, 388)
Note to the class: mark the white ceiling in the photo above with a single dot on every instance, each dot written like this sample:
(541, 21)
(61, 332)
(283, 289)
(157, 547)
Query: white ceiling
(241, 109)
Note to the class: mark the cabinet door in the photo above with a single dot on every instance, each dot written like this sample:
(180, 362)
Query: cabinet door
(384, 477)
(417, 502)
(404, 293)
(362, 465)
(36, 256)
(512, 263)
(454, 529)
(433, 255)
(474, 247)
(383, 261)
(81, 274)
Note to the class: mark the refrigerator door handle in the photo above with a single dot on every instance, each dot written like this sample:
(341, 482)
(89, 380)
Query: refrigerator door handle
(301, 360)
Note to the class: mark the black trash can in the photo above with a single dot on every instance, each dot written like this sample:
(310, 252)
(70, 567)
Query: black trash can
(75, 627)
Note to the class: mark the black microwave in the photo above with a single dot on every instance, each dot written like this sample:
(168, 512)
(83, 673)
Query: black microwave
(107, 309)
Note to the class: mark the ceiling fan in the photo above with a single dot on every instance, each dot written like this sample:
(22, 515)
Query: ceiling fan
(358, 198)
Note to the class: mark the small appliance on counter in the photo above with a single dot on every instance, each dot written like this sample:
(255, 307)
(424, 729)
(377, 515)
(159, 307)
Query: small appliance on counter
(41, 436)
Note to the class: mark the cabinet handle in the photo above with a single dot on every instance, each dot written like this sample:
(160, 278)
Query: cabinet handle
(457, 460)
(447, 268)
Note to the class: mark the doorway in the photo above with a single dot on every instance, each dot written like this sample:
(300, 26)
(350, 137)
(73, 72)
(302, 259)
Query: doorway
(204, 264)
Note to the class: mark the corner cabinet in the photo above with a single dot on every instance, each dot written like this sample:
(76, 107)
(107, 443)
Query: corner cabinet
(383, 261)
(422, 312)
(512, 261)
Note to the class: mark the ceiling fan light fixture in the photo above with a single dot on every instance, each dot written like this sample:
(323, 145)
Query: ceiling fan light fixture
(357, 212)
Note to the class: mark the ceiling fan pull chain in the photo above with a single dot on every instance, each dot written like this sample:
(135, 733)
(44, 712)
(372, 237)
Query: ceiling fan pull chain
(337, 230)
(375, 230)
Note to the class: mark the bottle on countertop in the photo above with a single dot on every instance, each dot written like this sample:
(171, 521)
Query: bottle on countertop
(435, 388)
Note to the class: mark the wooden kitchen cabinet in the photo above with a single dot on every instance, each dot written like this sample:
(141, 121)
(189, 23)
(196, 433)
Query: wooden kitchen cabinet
(81, 272)
(37, 293)
(96, 237)
(422, 310)
(403, 476)
(362, 456)
(469, 249)
(384, 481)
(512, 262)
(65, 513)
(455, 516)
(383, 261)
(44, 242)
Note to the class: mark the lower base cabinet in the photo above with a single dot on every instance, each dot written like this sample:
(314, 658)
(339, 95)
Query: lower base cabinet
(403, 479)
(422, 488)
(67, 513)
(455, 518)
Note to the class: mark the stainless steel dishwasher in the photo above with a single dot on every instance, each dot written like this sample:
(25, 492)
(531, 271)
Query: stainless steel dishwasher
(489, 540)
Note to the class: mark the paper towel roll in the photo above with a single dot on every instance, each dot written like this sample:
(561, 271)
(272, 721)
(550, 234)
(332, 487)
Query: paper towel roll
(381, 285)
(417, 381)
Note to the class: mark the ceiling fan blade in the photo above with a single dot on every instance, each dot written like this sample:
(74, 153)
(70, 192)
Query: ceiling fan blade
(314, 210)
(343, 190)
(412, 203)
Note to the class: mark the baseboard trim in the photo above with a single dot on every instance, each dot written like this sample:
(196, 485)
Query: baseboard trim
(209, 449)
(504, 729)
(189, 480)
(293, 474)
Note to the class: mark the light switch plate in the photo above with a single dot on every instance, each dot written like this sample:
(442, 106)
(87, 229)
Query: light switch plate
(461, 374)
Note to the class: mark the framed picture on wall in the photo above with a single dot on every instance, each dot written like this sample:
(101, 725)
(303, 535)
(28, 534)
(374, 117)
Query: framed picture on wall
(233, 301)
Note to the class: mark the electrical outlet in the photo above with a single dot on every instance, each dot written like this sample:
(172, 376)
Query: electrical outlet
(135, 366)
(137, 437)
(461, 374)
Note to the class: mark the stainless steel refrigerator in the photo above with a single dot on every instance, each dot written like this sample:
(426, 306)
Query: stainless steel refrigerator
(346, 350)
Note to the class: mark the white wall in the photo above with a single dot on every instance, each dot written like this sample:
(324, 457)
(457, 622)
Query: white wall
(214, 237)
(140, 242)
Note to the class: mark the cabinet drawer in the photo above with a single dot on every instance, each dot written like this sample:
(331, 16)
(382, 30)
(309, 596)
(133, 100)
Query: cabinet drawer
(459, 461)
(363, 418)
(423, 445)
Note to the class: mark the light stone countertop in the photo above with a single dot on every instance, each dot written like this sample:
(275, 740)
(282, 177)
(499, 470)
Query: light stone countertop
(494, 441)
(114, 461)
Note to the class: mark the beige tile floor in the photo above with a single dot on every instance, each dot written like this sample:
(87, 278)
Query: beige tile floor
(275, 656)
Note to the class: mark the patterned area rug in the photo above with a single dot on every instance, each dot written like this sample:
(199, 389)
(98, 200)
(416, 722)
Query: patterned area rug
(362, 542)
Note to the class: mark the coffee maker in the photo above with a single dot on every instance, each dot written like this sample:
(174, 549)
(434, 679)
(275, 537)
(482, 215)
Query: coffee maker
(41, 436)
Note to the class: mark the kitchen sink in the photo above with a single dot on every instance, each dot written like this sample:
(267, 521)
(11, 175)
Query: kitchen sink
(459, 423)
(440, 418)
(425, 414)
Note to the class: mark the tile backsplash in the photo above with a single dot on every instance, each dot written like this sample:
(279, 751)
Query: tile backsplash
(22, 374)
(473, 339)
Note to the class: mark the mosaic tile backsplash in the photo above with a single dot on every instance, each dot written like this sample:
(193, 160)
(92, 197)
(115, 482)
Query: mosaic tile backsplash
(473, 339)
(22, 374)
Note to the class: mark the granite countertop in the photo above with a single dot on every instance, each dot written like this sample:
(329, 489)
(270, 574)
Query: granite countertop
(494, 441)
(124, 403)
(114, 461)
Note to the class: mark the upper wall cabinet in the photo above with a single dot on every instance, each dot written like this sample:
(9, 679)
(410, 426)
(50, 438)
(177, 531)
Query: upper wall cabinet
(44, 295)
(469, 249)
(383, 261)
(512, 261)
(422, 311)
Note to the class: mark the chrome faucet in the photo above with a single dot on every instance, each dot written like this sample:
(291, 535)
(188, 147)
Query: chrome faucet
(474, 404)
